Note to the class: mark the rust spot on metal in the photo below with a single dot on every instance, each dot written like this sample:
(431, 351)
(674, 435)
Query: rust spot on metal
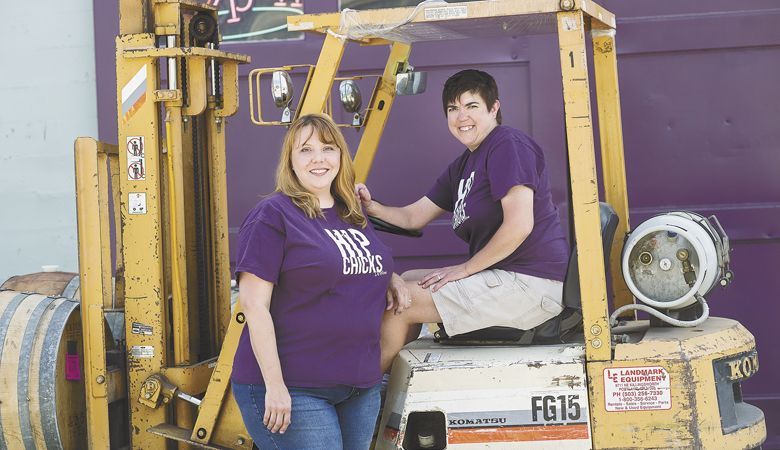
(604, 47)
(567, 380)
(133, 364)
(688, 380)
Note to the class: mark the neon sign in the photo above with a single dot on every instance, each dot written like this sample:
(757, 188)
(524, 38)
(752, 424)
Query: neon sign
(256, 20)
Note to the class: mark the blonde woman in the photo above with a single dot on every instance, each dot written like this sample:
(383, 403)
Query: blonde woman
(314, 282)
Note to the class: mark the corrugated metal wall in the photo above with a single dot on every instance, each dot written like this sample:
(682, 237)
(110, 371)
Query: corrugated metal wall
(701, 116)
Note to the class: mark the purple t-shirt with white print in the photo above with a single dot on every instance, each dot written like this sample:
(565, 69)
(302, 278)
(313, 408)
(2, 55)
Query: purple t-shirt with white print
(330, 280)
(473, 185)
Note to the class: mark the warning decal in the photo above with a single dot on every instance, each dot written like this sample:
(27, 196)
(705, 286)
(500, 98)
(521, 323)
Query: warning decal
(446, 12)
(139, 328)
(637, 389)
(136, 203)
(142, 351)
(134, 94)
(136, 160)
(135, 146)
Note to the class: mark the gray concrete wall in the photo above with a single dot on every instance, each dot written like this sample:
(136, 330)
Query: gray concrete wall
(47, 87)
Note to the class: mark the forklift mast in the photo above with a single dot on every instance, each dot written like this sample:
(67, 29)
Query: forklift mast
(175, 90)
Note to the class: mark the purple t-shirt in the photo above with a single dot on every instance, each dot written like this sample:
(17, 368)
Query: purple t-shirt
(474, 184)
(330, 280)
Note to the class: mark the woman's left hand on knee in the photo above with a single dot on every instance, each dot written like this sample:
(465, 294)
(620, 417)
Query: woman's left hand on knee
(439, 277)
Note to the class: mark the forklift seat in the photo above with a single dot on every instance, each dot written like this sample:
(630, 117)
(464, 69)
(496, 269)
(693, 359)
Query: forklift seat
(561, 327)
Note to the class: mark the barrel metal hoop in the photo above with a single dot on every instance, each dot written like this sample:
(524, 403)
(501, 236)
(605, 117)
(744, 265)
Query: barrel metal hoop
(5, 321)
(23, 379)
(71, 288)
(48, 376)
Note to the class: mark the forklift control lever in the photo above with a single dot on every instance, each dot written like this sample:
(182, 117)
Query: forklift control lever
(381, 225)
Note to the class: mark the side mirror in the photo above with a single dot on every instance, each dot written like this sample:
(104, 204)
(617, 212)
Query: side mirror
(282, 92)
(349, 93)
(410, 83)
(351, 100)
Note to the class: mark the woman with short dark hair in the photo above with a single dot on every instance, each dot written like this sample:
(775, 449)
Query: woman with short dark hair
(498, 191)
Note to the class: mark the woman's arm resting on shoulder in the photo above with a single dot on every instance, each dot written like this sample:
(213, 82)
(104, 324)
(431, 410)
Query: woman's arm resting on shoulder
(412, 217)
(255, 295)
(518, 208)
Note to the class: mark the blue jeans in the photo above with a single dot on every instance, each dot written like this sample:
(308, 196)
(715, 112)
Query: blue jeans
(336, 418)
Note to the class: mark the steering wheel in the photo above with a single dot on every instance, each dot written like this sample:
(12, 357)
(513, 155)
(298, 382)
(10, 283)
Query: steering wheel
(381, 225)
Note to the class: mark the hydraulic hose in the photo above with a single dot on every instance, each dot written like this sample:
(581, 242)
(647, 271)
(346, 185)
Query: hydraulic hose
(613, 321)
(172, 211)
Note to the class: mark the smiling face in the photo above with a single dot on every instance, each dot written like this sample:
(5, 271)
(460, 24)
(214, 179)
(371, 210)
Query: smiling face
(315, 163)
(470, 119)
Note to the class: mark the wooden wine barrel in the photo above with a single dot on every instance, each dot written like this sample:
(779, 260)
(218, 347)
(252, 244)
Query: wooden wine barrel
(62, 284)
(52, 284)
(42, 401)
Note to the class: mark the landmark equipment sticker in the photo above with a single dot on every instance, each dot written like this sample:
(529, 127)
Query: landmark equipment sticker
(637, 389)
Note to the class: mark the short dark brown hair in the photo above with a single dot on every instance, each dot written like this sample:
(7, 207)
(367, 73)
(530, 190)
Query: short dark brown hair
(474, 81)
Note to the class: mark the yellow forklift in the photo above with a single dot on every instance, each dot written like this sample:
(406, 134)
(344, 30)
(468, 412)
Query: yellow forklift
(157, 202)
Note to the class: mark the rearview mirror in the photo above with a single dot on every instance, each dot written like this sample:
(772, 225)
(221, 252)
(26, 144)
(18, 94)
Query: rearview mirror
(282, 92)
(349, 92)
(281, 88)
(410, 83)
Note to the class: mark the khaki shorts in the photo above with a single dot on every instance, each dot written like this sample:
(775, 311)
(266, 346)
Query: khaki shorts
(497, 298)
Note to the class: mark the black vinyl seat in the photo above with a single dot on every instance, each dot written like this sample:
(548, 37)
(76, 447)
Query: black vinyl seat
(558, 329)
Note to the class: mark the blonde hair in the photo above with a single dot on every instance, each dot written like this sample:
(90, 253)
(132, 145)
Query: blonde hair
(343, 186)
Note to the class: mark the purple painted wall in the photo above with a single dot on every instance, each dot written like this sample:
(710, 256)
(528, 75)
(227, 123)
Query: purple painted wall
(700, 118)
